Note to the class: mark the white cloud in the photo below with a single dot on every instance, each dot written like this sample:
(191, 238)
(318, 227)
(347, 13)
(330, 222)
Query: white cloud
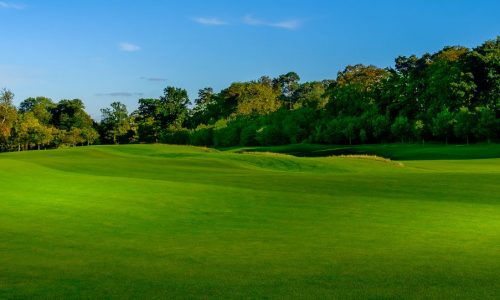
(128, 47)
(287, 24)
(209, 21)
(8, 5)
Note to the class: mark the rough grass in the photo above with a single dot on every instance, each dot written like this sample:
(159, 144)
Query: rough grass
(154, 221)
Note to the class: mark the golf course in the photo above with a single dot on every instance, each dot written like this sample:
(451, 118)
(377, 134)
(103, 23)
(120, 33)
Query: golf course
(161, 221)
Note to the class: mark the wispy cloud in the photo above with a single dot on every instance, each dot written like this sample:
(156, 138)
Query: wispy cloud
(128, 47)
(9, 5)
(120, 94)
(154, 79)
(209, 21)
(286, 24)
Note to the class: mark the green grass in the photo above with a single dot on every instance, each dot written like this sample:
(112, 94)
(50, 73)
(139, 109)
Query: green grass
(154, 221)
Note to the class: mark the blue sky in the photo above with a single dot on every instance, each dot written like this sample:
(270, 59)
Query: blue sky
(102, 51)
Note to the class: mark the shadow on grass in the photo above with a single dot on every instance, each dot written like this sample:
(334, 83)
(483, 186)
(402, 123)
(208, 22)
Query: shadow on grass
(392, 151)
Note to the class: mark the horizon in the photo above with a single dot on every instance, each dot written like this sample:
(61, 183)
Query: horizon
(125, 50)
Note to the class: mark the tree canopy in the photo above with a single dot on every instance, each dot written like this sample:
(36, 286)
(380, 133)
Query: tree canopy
(452, 95)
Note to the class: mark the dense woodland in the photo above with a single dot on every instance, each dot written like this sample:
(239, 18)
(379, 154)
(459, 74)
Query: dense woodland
(449, 96)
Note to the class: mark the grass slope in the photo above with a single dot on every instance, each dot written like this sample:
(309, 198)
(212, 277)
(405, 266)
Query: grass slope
(154, 221)
(393, 151)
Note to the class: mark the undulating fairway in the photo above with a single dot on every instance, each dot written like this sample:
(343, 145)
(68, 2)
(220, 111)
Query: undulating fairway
(156, 221)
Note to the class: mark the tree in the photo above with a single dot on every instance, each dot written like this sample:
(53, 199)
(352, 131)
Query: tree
(115, 123)
(464, 124)
(74, 137)
(487, 126)
(418, 130)
(41, 107)
(310, 94)
(173, 109)
(400, 128)
(26, 129)
(484, 63)
(288, 84)
(256, 99)
(355, 90)
(442, 124)
(297, 125)
(201, 113)
(381, 126)
(8, 116)
(148, 120)
(350, 128)
(70, 113)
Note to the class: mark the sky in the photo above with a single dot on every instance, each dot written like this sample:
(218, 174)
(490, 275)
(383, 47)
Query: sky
(102, 51)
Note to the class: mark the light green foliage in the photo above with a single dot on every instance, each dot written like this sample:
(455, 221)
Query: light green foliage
(153, 221)
(8, 115)
(253, 98)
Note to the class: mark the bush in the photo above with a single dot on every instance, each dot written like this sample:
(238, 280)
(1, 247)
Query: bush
(248, 136)
(227, 136)
(271, 135)
(177, 137)
(202, 136)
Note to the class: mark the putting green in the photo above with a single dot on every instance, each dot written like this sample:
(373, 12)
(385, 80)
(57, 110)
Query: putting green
(157, 221)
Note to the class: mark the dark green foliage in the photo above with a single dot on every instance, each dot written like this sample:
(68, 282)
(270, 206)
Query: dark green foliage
(227, 135)
(488, 126)
(464, 124)
(172, 109)
(297, 125)
(175, 136)
(451, 95)
(248, 136)
(400, 128)
(442, 125)
(202, 136)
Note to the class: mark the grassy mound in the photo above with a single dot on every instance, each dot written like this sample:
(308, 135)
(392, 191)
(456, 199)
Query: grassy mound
(155, 221)
(392, 151)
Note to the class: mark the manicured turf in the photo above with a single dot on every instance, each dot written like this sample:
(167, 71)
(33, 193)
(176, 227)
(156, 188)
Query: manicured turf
(154, 221)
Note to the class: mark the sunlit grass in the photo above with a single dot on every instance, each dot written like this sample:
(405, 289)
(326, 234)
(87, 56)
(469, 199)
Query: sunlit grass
(155, 221)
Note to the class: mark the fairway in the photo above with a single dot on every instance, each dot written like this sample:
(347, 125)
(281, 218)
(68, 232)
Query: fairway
(158, 221)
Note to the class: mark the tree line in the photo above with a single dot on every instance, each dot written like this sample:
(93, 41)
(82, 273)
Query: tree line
(452, 95)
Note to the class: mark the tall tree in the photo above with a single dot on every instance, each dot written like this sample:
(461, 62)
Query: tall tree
(288, 84)
(147, 119)
(115, 123)
(173, 109)
(41, 107)
(8, 116)
(355, 90)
